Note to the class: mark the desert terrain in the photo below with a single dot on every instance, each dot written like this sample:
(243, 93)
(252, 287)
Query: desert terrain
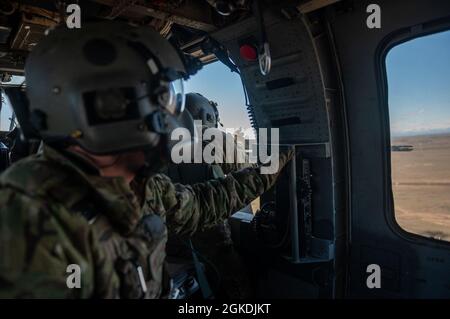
(421, 185)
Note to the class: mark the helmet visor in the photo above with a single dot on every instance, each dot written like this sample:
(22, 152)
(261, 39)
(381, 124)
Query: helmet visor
(176, 99)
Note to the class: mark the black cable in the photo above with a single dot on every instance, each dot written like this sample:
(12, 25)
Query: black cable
(207, 261)
(257, 224)
(249, 107)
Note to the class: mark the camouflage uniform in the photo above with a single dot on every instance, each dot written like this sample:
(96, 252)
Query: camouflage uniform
(57, 211)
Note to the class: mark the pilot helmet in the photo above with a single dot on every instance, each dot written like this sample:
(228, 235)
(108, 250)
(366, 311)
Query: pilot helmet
(202, 109)
(108, 87)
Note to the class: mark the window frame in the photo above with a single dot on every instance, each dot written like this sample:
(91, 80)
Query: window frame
(386, 45)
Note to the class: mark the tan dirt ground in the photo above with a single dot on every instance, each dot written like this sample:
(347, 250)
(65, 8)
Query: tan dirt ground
(421, 185)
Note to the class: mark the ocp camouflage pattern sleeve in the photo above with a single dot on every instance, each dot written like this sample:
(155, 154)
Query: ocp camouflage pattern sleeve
(227, 168)
(200, 206)
(38, 240)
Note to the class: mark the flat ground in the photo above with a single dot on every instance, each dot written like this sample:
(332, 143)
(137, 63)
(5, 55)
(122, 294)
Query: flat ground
(421, 185)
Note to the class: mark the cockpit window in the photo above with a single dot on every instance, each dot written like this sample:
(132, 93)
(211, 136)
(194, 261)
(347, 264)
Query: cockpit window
(418, 74)
(7, 119)
(12, 79)
(217, 83)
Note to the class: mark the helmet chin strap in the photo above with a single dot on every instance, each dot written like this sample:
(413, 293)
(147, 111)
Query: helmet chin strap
(98, 161)
(109, 165)
(126, 165)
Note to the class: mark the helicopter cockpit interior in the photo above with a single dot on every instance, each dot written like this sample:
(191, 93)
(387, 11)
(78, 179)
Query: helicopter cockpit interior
(315, 70)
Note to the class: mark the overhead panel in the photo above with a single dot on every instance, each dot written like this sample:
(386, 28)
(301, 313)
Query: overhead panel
(291, 96)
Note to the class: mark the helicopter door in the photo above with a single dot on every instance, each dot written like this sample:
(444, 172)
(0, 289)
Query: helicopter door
(411, 262)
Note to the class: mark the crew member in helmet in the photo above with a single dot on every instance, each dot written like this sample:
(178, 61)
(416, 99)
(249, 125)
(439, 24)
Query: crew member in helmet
(90, 211)
(213, 244)
(205, 112)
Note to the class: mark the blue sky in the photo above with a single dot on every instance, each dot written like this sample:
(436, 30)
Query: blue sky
(419, 85)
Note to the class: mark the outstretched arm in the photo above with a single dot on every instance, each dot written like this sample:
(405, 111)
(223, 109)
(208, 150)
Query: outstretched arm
(189, 208)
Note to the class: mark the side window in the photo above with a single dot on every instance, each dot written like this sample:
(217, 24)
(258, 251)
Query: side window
(7, 118)
(7, 122)
(216, 82)
(418, 74)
